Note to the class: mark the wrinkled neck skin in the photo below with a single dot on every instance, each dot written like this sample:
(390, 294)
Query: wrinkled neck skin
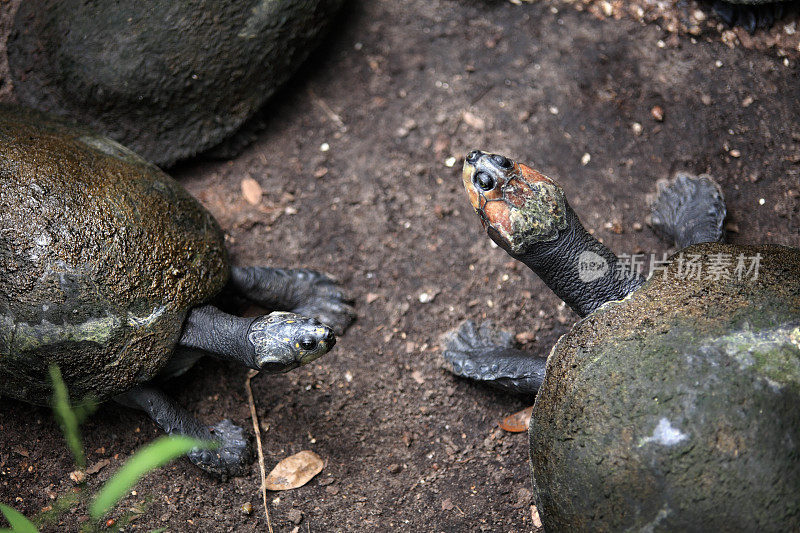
(219, 334)
(558, 263)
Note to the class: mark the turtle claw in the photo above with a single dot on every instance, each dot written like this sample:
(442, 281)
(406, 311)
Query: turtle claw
(484, 354)
(325, 301)
(231, 457)
(688, 209)
(468, 350)
(302, 291)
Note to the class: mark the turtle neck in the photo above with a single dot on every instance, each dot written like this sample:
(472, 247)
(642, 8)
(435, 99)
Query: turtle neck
(579, 268)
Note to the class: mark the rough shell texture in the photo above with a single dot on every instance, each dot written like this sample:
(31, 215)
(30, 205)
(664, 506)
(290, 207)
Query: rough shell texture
(167, 79)
(101, 256)
(676, 409)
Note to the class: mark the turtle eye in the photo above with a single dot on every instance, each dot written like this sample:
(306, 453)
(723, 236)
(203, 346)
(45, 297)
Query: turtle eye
(484, 181)
(502, 162)
(308, 343)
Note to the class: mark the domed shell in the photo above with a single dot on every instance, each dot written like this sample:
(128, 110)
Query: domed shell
(677, 408)
(101, 255)
(169, 79)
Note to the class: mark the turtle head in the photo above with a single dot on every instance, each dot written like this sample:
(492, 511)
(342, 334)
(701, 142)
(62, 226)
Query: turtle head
(518, 206)
(283, 341)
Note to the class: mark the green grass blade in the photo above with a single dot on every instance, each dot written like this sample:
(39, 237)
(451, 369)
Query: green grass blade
(19, 524)
(66, 416)
(156, 454)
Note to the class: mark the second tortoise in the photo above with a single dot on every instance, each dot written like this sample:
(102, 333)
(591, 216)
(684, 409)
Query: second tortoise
(113, 272)
(671, 405)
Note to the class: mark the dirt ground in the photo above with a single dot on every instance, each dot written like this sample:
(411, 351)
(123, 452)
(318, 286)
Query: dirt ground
(399, 93)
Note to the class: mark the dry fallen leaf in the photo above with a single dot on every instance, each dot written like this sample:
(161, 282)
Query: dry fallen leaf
(98, 466)
(251, 191)
(518, 422)
(535, 518)
(294, 471)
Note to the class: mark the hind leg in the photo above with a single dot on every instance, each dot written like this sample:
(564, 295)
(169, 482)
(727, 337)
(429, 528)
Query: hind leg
(688, 209)
(481, 354)
(229, 459)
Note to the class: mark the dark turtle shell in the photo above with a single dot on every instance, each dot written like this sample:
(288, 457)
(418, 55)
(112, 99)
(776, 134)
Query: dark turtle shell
(101, 257)
(677, 408)
(169, 79)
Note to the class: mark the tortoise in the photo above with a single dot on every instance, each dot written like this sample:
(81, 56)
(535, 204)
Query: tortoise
(672, 403)
(110, 271)
(167, 79)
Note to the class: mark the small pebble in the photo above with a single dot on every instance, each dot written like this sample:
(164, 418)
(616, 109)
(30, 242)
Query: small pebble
(535, 518)
(657, 112)
(395, 468)
(295, 516)
(761, 201)
(247, 508)
(585, 159)
(77, 476)
(637, 128)
(324, 147)
(735, 153)
(553, 110)
(473, 121)
(449, 162)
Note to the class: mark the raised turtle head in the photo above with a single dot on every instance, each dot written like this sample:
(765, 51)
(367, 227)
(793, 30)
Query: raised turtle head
(518, 206)
(283, 341)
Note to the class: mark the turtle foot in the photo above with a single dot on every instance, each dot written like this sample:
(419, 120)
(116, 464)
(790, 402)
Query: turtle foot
(483, 354)
(688, 209)
(301, 291)
(324, 300)
(750, 17)
(233, 455)
(467, 348)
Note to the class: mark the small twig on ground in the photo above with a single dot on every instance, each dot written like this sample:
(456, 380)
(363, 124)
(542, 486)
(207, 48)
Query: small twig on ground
(335, 118)
(254, 417)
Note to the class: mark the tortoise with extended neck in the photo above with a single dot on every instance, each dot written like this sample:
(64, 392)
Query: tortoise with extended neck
(110, 269)
(672, 403)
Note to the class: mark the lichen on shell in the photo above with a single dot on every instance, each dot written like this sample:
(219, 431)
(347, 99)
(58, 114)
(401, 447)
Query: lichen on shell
(675, 408)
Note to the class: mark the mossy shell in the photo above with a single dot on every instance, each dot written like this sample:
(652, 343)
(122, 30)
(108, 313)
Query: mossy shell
(678, 408)
(166, 78)
(101, 256)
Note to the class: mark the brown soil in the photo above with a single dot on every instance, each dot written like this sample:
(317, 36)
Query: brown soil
(400, 88)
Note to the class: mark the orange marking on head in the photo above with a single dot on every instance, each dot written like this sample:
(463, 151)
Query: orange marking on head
(532, 175)
(499, 215)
